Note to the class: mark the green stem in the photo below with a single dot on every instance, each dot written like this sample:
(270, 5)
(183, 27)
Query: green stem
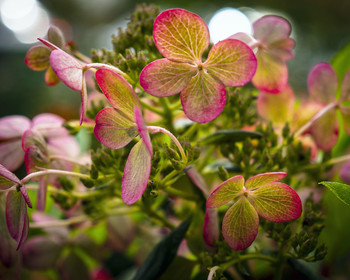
(59, 157)
(191, 131)
(181, 194)
(168, 114)
(247, 257)
(53, 172)
(155, 215)
(151, 108)
(60, 223)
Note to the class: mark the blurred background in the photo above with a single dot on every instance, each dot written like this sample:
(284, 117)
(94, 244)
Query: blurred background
(320, 28)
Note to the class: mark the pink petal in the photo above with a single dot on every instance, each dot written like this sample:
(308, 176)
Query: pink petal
(204, 98)
(345, 172)
(271, 74)
(180, 35)
(276, 202)
(142, 129)
(67, 68)
(11, 154)
(163, 77)
(232, 62)
(244, 37)
(226, 192)
(17, 217)
(211, 231)
(304, 113)
(323, 83)
(7, 178)
(34, 158)
(263, 179)
(38, 58)
(25, 195)
(240, 225)
(118, 91)
(66, 146)
(136, 173)
(32, 137)
(197, 179)
(325, 131)
(277, 108)
(83, 98)
(49, 44)
(113, 129)
(55, 36)
(41, 197)
(345, 88)
(13, 127)
(345, 113)
(50, 125)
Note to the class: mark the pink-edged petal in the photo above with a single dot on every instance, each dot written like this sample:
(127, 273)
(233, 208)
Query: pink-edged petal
(33, 137)
(66, 146)
(136, 173)
(163, 77)
(67, 68)
(7, 178)
(277, 108)
(11, 154)
(345, 88)
(325, 131)
(240, 225)
(48, 44)
(197, 179)
(263, 179)
(118, 91)
(83, 98)
(49, 125)
(180, 35)
(271, 74)
(211, 231)
(50, 77)
(345, 113)
(34, 158)
(38, 58)
(113, 129)
(244, 37)
(13, 127)
(41, 197)
(142, 129)
(323, 83)
(25, 195)
(232, 62)
(17, 217)
(276, 202)
(225, 192)
(204, 98)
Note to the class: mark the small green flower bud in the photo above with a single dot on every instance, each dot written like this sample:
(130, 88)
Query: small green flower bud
(320, 253)
(223, 174)
(87, 182)
(93, 172)
(66, 184)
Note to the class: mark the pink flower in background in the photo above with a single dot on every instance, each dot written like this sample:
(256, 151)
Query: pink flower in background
(261, 194)
(182, 37)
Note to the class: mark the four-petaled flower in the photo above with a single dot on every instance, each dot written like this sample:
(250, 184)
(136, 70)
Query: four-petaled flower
(182, 37)
(261, 194)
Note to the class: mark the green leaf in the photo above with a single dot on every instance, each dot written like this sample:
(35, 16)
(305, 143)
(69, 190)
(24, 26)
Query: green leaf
(181, 268)
(163, 254)
(342, 191)
(341, 62)
(229, 136)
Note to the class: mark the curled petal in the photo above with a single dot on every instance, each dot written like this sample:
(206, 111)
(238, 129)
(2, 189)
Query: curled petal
(323, 83)
(225, 192)
(263, 179)
(67, 68)
(33, 137)
(113, 129)
(204, 98)
(211, 226)
(34, 158)
(163, 77)
(7, 178)
(232, 62)
(276, 202)
(240, 225)
(142, 129)
(180, 35)
(25, 195)
(118, 92)
(136, 173)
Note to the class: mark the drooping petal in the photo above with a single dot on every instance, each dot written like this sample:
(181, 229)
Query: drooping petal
(345, 88)
(180, 35)
(276, 202)
(11, 154)
(142, 129)
(41, 197)
(67, 68)
(83, 98)
(50, 77)
(271, 74)
(232, 62)
(323, 83)
(48, 44)
(17, 217)
(204, 98)
(325, 130)
(118, 91)
(211, 226)
(163, 77)
(7, 178)
(240, 225)
(225, 192)
(114, 129)
(13, 127)
(38, 58)
(345, 113)
(34, 158)
(136, 173)
(263, 179)
(33, 137)
(277, 108)
(25, 195)
(49, 125)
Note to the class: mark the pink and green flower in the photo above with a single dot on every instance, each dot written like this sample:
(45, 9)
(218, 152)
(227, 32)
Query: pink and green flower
(259, 195)
(182, 37)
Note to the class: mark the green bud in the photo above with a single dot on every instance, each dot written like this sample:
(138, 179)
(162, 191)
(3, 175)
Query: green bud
(223, 174)
(93, 172)
(66, 184)
(178, 165)
(171, 153)
(285, 130)
(320, 252)
(87, 182)
(307, 247)
(286, 233)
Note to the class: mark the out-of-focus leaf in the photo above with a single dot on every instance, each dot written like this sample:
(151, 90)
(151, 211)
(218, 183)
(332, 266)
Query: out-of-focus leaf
(341, 61)
(163, 254)
(229, 136)
(72, 268)
(97, 233)
(181, 268)
(303, 269)
(228, 165)
(342, 191)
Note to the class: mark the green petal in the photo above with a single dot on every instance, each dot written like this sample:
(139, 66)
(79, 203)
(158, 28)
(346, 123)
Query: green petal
(38, 58)
(262, 179)
(240, 225)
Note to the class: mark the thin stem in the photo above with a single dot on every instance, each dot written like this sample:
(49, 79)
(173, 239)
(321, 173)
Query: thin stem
(318, 115)
(110, 67)
(168, 113)
(53, 190)
(60, 223)
(160, 218)
(53, 172)
(151, 108)
(156, 129)
(338, 159)
(247, 257)
(213, 272)
(181, 194)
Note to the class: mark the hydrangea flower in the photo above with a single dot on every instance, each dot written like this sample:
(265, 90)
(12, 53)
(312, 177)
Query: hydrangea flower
(182, 37)
(259, 195)
(271, 39)
(116, 127)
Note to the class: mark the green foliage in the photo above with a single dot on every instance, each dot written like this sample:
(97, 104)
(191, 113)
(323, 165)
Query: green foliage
(341, 191)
